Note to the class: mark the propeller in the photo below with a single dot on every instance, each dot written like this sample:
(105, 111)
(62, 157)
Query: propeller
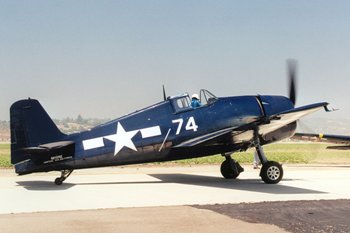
(292, 69)
(164, 95)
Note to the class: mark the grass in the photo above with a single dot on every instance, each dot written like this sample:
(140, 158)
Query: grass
(293, 153)
(5, 155)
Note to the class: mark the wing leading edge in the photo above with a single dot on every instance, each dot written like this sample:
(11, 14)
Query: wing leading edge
(284, 118)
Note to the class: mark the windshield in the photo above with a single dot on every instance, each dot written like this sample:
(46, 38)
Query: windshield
(206, 97)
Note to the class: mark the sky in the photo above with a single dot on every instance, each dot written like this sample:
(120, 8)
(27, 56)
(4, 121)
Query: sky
(105, 59)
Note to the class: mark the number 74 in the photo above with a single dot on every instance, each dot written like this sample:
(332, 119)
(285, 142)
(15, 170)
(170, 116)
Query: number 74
(191, 124)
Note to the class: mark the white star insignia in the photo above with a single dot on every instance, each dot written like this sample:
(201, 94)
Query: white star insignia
(122, 138)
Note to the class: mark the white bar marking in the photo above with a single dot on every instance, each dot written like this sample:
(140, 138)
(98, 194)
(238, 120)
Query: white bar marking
(150, 132)
(93, 143)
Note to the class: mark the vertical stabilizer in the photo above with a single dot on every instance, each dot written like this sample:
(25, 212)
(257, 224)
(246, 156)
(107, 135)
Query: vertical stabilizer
(30, 126)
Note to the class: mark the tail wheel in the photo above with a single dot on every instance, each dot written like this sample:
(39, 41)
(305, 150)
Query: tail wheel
(271, 172)
(63, 177)
(58, 181)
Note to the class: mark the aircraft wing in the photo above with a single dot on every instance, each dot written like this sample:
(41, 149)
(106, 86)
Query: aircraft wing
(331, 138)
(284, 118)
(245, 132)
(207, 137)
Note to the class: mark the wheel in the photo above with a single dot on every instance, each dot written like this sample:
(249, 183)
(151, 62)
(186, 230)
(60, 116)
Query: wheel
(271, 172)
(58, 181)
(227, 171)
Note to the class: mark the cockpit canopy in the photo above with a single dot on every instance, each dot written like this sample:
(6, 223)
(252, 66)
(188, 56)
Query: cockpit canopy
(182, 102)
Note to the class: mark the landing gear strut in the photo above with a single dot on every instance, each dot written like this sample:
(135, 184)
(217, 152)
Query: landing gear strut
(271, 172)
(230, 169)
(64, 175)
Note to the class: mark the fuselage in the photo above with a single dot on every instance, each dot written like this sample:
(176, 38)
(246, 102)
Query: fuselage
(156, 133)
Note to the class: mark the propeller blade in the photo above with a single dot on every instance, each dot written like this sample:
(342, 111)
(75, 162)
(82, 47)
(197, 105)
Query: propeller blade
(292, 69)
(164, 95)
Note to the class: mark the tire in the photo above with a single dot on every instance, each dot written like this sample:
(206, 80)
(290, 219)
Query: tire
(58, 181)
(227, 171)
(271, 172)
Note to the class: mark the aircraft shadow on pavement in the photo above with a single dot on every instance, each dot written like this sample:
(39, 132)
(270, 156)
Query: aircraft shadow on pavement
(43, 185)
(253, 185)
(50, 186)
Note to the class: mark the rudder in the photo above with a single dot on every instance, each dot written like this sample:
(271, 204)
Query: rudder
(30, 126)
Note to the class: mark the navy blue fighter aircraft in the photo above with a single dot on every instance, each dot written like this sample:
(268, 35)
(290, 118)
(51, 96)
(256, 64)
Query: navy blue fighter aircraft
(168, 130)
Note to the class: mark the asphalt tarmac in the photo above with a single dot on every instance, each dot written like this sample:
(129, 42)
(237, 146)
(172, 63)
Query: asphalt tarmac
(322, 216)
(127, 198)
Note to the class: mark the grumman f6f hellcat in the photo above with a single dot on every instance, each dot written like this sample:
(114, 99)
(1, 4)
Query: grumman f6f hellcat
(169, 130)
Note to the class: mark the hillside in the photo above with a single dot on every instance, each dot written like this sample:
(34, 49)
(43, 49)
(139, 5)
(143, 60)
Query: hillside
(66, 125)
(4, 131)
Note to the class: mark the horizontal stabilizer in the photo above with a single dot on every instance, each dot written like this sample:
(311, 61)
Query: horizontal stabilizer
(49, 146)
(50, 152)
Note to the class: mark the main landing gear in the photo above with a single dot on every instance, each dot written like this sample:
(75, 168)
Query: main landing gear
(64, 175)
(271, 172)
(230, 169)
